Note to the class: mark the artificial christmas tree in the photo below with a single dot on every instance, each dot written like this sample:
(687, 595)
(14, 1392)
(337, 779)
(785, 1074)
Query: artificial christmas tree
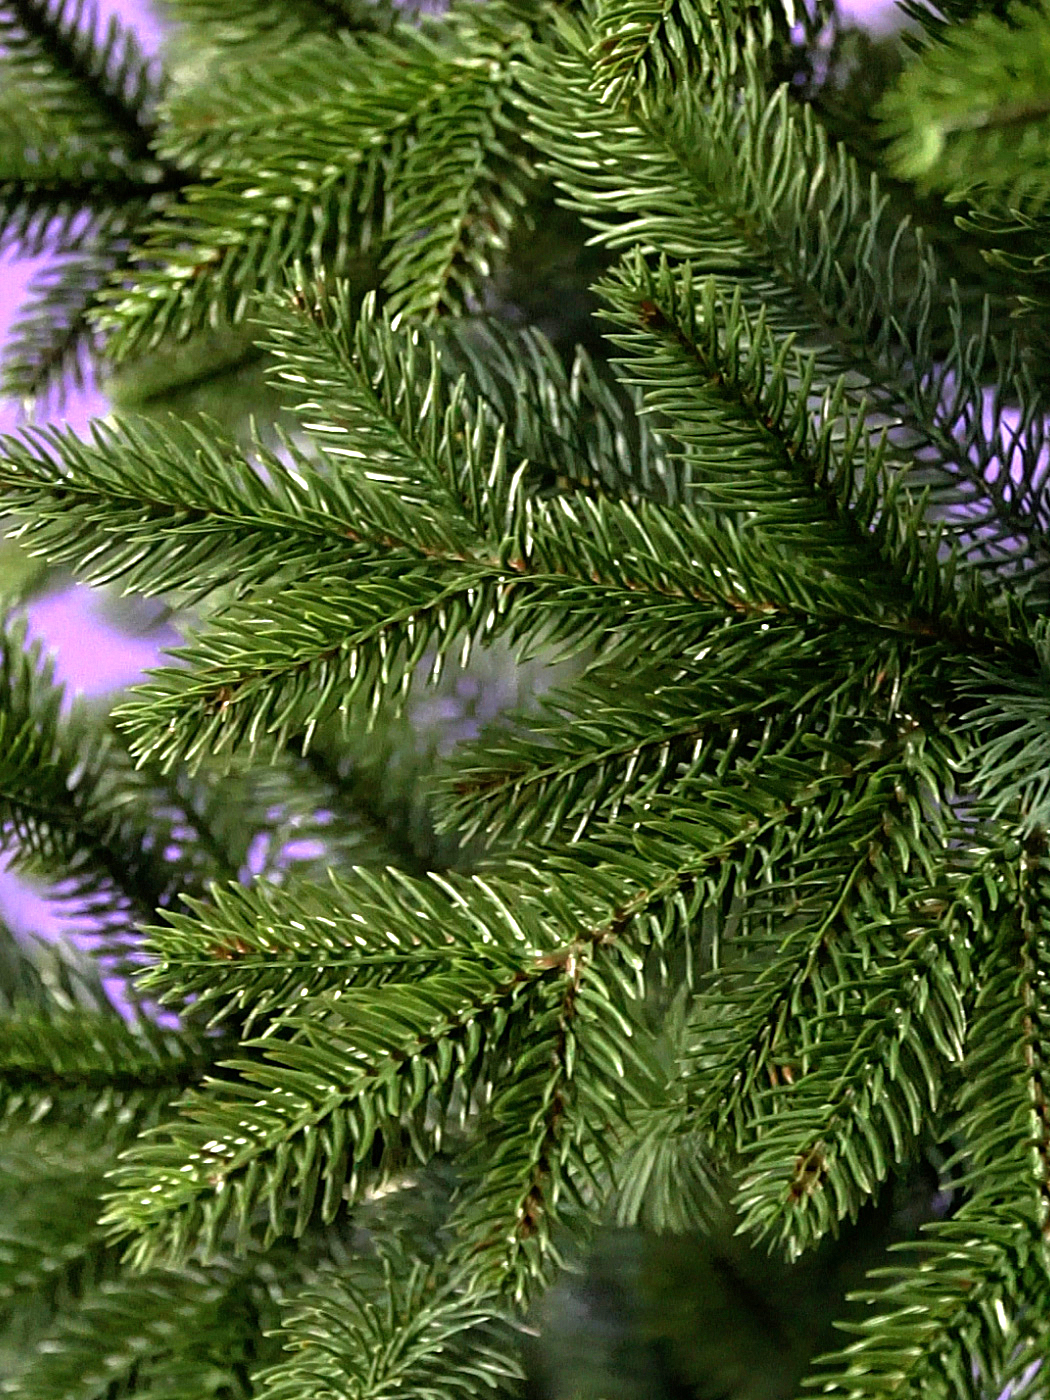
(742, 915)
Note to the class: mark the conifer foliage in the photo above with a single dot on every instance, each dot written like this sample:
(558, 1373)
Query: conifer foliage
(754, 901)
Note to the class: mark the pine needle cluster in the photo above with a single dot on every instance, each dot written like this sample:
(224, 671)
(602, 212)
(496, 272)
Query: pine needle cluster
(751, 904)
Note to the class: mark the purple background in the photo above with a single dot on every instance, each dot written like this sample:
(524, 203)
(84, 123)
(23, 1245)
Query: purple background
(92, 654)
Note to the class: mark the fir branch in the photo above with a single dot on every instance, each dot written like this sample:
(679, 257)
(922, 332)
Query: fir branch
(365, 1066)
(1008, 722)
(388, 102)
(384, 401)
(701, 347)
(368, 385)
(640, 45)
(231, 23)
(268, 948)
(611, 741)
(52, 343)
(74, 1064)
(374, 1062)
(108, 72)
(63, 808)
(187, 480)
(68, 1057)
(280, 666)
(803, 936)
(457, 195)
(312, 654)
(505, 1224)
(644, 45)
(189, 1330)
(224, 525)
(36, 215)
(78, 174)
(574, 424)
(414, 1326)
(666, 1178)
(952, 124)
(726, 184)
(633, 41)
(491, 555)
(841, 1116)
(989, 1260)
(57, 206)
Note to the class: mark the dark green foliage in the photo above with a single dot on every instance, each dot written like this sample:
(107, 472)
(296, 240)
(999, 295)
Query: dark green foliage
(253, 21)
(737, 920)
(956, 126)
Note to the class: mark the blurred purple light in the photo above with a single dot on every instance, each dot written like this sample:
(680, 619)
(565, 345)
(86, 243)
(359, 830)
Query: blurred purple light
(880, 16)
(91, 656)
